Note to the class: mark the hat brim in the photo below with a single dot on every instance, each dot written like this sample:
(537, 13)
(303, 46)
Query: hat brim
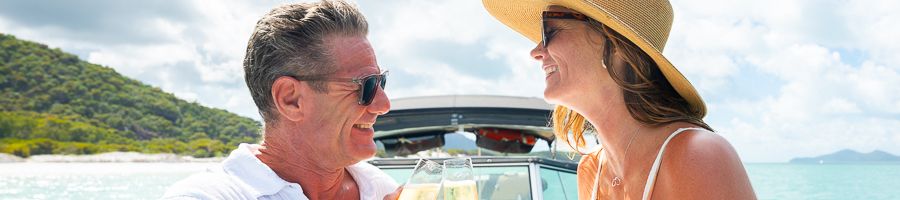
(524, 16)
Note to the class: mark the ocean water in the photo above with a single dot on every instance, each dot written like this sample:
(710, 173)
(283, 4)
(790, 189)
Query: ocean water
(831, 181)
(150, 180)
(91, 180)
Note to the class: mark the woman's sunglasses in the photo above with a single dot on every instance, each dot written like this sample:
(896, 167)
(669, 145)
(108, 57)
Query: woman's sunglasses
(546, 34)
(367, 85)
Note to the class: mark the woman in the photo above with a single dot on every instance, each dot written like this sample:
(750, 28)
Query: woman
(606, 73)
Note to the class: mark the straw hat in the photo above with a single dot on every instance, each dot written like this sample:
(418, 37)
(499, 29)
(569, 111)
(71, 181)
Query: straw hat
(646, 23)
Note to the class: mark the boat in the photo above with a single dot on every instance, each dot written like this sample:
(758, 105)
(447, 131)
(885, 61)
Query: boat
(505, 130)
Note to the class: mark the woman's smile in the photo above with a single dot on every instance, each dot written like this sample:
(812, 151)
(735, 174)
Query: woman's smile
(550, 69)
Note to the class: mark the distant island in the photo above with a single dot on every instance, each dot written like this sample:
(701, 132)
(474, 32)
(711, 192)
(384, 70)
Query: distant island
(849, 156)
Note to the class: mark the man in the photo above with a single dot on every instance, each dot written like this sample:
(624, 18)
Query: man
(313, 75)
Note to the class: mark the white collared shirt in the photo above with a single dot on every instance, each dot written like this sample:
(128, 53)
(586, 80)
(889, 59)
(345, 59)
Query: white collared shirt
(243, 176)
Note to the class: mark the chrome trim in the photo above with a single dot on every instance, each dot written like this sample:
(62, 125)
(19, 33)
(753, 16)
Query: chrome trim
(537, 193)
(473, 165)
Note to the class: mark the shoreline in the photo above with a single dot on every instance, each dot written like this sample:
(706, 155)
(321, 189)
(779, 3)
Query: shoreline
(109, 157)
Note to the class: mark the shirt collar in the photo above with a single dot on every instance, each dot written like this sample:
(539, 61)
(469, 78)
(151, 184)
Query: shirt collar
(245, 166)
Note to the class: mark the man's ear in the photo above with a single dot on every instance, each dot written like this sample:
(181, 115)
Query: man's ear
(286, 92)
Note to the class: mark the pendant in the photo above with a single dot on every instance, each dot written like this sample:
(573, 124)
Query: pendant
(616, 181)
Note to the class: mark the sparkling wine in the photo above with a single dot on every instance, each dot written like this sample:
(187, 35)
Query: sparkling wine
(460, 190)
(426, 191)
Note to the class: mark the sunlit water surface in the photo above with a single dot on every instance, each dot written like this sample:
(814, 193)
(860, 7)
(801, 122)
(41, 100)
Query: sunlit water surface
(150, 180)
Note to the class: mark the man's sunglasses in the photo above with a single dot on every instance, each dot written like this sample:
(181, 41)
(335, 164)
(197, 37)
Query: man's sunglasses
(545, 28)
(367, 85)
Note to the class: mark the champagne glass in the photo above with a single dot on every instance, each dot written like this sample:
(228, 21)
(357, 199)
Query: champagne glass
(459, 180)
(425, 182)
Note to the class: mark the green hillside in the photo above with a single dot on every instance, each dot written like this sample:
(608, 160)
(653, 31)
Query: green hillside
(51, 102)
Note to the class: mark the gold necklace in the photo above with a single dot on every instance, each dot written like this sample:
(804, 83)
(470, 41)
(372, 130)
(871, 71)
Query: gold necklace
(616, 180)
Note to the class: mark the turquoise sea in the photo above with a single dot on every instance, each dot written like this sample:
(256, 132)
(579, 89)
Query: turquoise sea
(831, 181)
(149, 180)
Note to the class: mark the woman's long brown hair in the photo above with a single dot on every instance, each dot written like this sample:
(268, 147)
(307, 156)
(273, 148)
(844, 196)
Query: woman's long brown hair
(649, 97)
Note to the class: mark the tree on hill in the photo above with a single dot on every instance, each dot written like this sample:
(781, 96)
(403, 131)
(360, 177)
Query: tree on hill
(49, 97)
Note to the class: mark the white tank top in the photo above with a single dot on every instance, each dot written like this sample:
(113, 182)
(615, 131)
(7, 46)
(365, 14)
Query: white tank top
(651, 178)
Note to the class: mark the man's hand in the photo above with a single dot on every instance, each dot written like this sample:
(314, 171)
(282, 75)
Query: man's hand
(394, 195)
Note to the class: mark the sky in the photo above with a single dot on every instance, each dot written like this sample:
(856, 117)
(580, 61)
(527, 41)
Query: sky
(781, 78)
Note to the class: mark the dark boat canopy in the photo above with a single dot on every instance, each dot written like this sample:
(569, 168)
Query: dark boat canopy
(501, 123)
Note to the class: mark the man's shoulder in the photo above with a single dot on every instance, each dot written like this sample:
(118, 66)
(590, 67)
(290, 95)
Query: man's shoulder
(209, 184)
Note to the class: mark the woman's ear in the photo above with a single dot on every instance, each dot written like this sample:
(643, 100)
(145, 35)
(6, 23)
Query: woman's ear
(287, 95)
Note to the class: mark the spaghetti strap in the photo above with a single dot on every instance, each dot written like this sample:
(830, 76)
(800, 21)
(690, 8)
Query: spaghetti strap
(651, 178)
(601, 157)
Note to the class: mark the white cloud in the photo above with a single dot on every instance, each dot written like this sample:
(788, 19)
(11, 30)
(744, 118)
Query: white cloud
(409, 27)
(137, 60)
(834, 62)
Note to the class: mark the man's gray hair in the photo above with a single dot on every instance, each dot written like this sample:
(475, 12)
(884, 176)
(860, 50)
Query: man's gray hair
(289, 41)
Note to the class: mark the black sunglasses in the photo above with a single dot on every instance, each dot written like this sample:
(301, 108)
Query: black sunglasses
(545, 29)
(367, 84)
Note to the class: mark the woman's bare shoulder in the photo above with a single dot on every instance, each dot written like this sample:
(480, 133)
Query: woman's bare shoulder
(694, 144)
(700, 164)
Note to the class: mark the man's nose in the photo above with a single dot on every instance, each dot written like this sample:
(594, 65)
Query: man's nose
(381, 104)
